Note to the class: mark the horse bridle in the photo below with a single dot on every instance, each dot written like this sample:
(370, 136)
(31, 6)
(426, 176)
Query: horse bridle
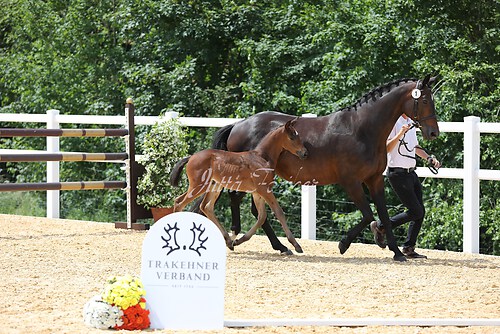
(416, 93)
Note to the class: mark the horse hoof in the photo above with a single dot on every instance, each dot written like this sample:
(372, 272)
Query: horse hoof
(298, 249)
(230, 246)
(287, 252)
(399, 258)
(343, 247)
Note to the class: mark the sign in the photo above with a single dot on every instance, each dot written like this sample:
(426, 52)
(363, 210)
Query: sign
(183, 272)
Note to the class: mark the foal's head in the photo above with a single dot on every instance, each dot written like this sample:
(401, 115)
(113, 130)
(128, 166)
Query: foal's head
(292, 142)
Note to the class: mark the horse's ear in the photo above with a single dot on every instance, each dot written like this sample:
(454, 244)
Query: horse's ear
(433, 80)
(426, 80)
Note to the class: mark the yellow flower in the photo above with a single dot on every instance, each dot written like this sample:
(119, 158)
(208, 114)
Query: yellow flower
(124, 291)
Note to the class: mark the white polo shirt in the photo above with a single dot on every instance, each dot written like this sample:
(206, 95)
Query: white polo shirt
(396, 157)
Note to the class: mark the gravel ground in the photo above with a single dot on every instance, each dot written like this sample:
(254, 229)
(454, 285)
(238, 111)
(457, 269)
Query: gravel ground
(50, 268)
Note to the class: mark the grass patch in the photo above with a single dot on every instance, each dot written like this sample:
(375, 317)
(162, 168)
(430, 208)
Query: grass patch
(22, 203)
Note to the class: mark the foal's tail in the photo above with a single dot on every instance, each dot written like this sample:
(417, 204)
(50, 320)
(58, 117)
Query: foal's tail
(175, 175)
(220, 137)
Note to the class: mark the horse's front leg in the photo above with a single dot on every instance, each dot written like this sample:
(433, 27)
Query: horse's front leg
(376, 187)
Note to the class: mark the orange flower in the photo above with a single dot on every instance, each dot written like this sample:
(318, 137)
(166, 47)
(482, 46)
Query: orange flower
(134, 318)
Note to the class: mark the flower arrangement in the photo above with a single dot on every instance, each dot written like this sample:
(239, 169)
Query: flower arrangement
(101, 315)
(120, 306)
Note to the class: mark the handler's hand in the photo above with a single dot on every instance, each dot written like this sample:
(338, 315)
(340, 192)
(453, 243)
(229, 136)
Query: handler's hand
(404, 129)
(434, 162)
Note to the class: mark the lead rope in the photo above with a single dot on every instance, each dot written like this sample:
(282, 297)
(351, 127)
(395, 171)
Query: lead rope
(402, 142)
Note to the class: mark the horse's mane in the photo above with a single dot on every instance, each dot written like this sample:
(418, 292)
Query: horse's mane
(378, 92)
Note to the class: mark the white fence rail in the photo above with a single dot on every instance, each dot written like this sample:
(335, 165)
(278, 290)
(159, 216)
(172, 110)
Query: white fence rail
(471, 173)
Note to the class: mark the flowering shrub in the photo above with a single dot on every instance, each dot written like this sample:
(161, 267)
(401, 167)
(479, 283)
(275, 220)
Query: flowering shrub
(162, 147)
(120, 306)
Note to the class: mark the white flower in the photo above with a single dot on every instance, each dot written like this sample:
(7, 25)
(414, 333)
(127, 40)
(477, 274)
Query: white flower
(101, 315)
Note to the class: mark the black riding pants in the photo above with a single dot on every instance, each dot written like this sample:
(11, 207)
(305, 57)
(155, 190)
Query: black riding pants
(408, 188)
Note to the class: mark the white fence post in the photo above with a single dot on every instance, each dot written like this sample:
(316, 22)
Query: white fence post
(471, 185)
(308, 208)
(53, 204)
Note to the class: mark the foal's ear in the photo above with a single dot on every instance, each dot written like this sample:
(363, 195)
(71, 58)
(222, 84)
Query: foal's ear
(289, 127)
(293, 121)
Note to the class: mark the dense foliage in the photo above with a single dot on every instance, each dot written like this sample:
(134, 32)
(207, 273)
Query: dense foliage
(163, 146)
(233, 58)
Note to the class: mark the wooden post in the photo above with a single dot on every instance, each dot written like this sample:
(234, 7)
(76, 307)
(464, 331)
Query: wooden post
(132, 173)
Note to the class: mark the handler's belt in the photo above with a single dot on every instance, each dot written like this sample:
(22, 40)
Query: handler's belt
(400, 169)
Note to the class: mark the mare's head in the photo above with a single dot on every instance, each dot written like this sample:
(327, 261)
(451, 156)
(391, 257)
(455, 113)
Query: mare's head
(420, 107)
(292, 142)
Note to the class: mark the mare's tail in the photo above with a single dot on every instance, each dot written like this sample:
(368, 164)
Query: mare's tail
(175, 176)
(220, 137)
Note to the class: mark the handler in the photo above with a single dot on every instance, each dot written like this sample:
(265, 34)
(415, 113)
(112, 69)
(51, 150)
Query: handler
(402, 145)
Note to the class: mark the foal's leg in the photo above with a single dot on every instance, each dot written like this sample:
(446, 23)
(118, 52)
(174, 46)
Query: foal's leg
(196, 206)
(273, 239)
(260, 205)
(181, 201)
(189, 196)
(278, 212)
(207, 207)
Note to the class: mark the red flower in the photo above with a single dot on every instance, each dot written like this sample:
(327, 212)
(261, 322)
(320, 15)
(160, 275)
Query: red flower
(135, 317)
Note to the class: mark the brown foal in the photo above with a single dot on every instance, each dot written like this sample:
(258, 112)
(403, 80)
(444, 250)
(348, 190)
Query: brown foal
(210, 171)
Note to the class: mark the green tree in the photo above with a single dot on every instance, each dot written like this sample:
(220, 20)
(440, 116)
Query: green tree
(233, 58)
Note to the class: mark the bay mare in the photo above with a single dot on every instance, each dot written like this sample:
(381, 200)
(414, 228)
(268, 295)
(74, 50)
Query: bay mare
(210, 171)
(347, 147)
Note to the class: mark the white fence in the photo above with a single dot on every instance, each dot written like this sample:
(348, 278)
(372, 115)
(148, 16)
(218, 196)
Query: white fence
(471, 173)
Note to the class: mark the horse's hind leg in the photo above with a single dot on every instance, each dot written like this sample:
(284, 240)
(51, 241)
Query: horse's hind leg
(181, 201)
(196, 206)
(235, 197)
(356, 194)
(207, 207)
(260, 205)
(376, 187)
(196, 188)
(278, 212)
